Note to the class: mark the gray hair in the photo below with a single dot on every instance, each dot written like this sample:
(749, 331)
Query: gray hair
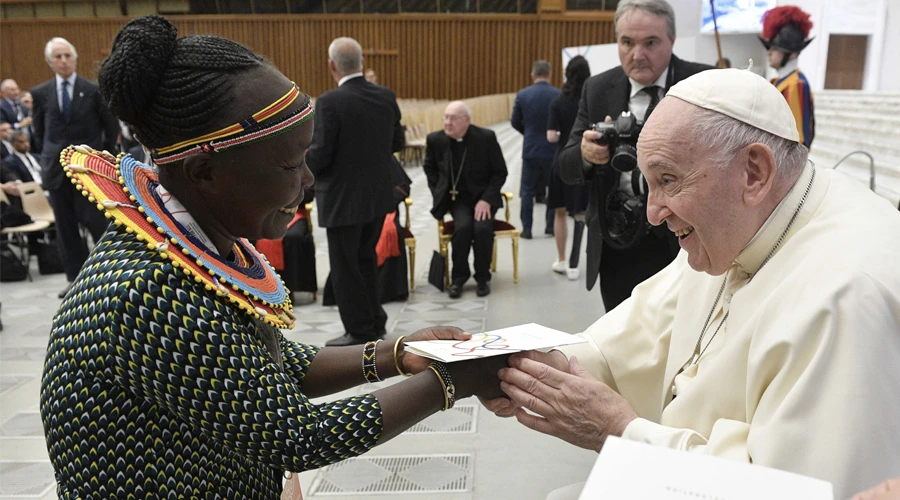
(660, 8)
(729, 136)
(540, 68)
(346, 54)
(5, 84)
(48, 49)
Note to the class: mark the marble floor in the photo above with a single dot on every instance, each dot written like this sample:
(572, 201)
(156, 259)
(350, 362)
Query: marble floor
(465, 453)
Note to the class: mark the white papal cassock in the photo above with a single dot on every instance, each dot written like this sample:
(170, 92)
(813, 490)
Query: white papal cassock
(804, 375)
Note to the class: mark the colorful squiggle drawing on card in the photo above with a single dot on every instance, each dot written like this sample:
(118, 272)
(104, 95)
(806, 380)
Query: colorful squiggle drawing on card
(475, 347)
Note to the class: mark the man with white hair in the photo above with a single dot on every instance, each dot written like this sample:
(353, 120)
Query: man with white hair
(11, 109)
(68, 110)
(773, 337)
(466, 170)
(357, 131)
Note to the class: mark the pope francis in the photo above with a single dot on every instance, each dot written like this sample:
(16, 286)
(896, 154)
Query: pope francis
(773, 338)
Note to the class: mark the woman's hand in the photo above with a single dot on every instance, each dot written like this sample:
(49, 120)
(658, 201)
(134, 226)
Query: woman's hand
(414, 364)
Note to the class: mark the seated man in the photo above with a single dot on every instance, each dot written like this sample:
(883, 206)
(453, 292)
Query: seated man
(466, 169)
(773, 337)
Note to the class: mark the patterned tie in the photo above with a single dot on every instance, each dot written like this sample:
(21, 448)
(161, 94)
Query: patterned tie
(66, 100)
(653, 92)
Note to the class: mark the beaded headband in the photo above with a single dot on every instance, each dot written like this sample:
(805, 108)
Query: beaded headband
(241, 133)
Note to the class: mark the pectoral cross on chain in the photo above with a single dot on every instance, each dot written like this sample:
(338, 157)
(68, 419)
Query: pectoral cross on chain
(453, 193)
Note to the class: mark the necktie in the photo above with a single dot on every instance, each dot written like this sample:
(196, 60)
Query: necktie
(653, 92)
(35, 168)
(18, 111)
(66, 100)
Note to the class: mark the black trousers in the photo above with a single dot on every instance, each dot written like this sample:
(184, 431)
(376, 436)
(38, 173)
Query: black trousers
(354, 274)
(622, 270)
(71, 208)
(466, 231)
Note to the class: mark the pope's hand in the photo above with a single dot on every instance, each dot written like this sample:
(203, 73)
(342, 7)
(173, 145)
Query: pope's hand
(505, 407)
(571, 405)
(888, 490)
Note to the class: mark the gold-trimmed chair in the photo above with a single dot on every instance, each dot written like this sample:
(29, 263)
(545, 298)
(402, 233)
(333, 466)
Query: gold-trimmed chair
(410, 240)
(502, 229)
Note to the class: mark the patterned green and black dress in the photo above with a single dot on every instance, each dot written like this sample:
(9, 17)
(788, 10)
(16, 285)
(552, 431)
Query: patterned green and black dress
(155, 387)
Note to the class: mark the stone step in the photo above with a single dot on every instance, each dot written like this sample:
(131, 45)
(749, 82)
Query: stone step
(876, 146)
(866, 118)
(887, 170)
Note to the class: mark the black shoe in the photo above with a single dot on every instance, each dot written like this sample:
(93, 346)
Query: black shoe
(526, 235)
(483, 289)
(454, 291)
(62, 294)
(347, 339)
(548, 230)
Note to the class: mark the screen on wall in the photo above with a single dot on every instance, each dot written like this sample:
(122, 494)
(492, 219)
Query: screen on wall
(735, 16)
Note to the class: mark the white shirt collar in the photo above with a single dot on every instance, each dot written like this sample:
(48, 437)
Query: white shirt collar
(788, 68)
(348, 77)
(660, 82)
(70, 79)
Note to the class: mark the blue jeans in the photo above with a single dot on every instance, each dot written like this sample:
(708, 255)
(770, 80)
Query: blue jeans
(532, 171)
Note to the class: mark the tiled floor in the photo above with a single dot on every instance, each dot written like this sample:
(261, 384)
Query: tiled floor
(462, 454)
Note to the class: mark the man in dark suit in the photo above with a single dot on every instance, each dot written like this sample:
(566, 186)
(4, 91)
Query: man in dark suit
(357, 131)
(465, 170)
(6, 148)
(21, 162)
(11, 110)
(645, 31)
(529, 117)
(68, 110)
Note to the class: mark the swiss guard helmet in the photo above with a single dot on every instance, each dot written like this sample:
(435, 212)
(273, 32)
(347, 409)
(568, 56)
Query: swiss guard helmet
(786, 28)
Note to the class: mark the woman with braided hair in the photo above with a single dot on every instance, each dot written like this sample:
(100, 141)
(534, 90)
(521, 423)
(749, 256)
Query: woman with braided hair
(166, 374)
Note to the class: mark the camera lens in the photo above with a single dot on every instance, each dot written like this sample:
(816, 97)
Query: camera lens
(625, 158)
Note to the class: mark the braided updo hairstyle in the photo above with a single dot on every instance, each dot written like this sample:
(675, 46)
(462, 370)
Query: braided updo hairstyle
(167, 88)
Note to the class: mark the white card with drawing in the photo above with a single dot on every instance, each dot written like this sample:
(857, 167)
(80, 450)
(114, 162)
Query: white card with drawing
(504, 341)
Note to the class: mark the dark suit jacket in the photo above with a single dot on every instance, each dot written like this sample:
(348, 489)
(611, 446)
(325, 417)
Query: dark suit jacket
(90, 122)
(606, 94)
(7, 113)
(485, 168)
(529, 117)
(357, 131)
(18, 168)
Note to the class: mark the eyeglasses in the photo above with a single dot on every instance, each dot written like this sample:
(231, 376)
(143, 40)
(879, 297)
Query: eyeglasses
(454, 118)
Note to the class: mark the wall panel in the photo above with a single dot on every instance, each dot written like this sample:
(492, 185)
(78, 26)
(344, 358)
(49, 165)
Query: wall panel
(419, 56)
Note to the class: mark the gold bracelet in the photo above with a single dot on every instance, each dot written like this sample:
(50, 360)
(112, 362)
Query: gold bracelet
(443, 387)
(397, 359)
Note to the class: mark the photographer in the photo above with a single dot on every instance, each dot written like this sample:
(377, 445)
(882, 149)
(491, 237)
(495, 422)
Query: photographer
(616, 218)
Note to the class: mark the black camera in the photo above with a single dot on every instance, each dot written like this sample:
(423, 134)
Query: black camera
(621, 136)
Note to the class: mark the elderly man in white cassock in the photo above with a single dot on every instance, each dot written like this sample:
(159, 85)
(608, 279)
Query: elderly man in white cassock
(773, 338)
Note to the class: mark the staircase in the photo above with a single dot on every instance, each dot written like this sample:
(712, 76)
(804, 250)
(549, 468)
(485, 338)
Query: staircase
(850, 120)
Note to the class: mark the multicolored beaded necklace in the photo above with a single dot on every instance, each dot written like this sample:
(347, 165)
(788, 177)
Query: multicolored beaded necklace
(125, 190)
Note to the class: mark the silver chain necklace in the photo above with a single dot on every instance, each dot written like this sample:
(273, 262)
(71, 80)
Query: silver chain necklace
(695, 357)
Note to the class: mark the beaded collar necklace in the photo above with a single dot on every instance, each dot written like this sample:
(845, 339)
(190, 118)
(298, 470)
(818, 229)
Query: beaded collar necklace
(125, 190)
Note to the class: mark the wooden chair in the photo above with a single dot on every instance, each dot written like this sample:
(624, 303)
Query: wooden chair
(410, 242)
(502, 229)
(17, 236)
